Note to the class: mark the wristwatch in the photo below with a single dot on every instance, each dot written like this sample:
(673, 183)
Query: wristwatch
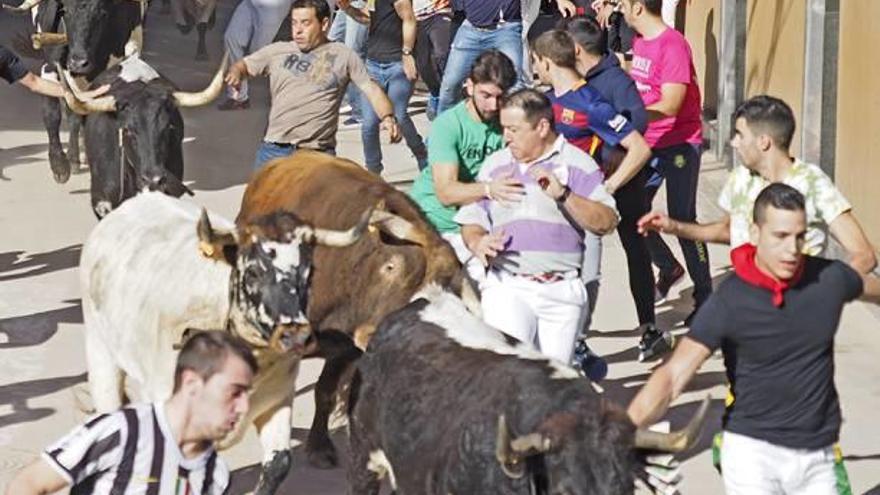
(566, 192)
(407, 51)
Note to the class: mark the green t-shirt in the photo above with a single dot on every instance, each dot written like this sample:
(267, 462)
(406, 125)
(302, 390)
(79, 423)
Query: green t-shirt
(455, 138)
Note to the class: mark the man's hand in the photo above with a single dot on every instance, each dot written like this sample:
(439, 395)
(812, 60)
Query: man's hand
(488, 247)
(409, 67)
(505, 189)
(235, 74)
(343, 4)
(603, 11)
(566, 8)
(657, 222)
(389, 124)
(548, 182)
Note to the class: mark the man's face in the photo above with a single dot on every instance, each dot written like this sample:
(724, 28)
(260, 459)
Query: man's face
(746, 144)
(306, 29)
(541, 68)
(486, 98)
(526, 142)
(780, 240)
(223, 400)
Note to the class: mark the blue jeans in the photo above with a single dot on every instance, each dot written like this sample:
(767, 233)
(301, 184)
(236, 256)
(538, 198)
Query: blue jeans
(468, 44)
(391, 78)
(353, 35)
(680, 166)
(269, 151)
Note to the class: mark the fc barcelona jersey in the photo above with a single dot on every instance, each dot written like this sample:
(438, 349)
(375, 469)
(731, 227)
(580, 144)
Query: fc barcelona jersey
(588, 121)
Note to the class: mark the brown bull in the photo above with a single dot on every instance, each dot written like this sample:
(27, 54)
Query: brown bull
(353, 288)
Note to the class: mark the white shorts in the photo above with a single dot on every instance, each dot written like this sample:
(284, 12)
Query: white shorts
(754, 467)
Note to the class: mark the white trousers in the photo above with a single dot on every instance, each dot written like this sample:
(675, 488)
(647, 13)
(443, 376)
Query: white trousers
(475, 269)
(755, 467)
(546, 315)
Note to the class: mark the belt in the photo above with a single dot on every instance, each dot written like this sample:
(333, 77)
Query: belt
(491, 26)
(547, 277)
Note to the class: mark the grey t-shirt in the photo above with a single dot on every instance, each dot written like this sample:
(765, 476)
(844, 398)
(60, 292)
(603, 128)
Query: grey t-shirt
(306, 90)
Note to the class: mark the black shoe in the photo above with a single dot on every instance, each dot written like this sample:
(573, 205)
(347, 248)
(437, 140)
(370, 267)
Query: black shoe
(589, 363)
(665, 282)
(654, 343)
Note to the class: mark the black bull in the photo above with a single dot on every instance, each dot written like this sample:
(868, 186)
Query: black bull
(134, 135)
(90, 34)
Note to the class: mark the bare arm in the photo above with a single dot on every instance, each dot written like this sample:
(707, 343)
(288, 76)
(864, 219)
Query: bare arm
(671, 99)
(360, 15)
(36, 478)
(667, 382)
(637, 154)
(846, 229)
(717, 232)
(404, 10)
(236, 73)
(591, 215)
(41, 86)
(383, 108)
(450, 191)
(871, 289)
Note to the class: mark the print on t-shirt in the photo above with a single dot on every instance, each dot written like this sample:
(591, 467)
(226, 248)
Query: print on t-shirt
(317, 68)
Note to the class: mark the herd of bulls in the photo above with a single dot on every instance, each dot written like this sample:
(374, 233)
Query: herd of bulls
(324, 260)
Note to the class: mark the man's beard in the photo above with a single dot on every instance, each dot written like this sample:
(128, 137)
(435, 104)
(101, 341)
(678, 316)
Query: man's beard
(486, 120)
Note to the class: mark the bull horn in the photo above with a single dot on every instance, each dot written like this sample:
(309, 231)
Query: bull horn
(336, 238)
(676, 441)
(24, 7)
(398, 227)
(185, 99)
(510, 463)
(39, 40)
(86, 106)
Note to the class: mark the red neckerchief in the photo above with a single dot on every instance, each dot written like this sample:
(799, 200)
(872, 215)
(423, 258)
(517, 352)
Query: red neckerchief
(743, 259)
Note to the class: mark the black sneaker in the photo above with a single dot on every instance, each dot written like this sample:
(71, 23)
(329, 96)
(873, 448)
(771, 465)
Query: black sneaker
(654, 343)
(589, 363)
(665, 282)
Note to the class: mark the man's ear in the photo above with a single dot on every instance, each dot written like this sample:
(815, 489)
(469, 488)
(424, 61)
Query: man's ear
(469, 87)
(765, 142)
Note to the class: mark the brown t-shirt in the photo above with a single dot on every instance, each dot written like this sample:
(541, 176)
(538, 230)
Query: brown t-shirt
(306, 90)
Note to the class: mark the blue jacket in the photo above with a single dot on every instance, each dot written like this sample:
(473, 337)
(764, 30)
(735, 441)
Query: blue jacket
(612, 82)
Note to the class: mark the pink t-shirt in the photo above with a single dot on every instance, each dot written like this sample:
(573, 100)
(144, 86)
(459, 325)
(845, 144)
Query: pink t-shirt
(667, 59)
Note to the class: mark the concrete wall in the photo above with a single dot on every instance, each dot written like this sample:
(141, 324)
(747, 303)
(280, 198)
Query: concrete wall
(857, 172)
(702, 27)
(775, 33)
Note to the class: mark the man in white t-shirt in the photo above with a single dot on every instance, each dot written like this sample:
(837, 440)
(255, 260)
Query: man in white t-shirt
(161, 448)
(764, 129)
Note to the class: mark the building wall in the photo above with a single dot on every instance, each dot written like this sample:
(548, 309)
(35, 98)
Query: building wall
(857, 172)
(775, 33)
(702, 28)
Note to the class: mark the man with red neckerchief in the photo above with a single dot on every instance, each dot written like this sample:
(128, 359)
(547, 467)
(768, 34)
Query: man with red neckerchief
(774, 320)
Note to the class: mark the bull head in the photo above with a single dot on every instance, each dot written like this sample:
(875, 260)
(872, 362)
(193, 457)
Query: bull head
(271, 262)
(99, 30)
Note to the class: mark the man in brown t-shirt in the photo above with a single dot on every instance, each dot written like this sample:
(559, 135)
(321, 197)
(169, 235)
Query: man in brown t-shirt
(307, 79)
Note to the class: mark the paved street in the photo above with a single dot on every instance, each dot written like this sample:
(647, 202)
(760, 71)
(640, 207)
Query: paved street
(43, 226)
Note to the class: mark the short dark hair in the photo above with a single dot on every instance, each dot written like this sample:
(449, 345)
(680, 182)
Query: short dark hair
(533, 103)
(653, 6)
(205, 353)
(780, 196)
(557, 46)
(493, 67)
(768, 115)
(322, 8)
(586, 32)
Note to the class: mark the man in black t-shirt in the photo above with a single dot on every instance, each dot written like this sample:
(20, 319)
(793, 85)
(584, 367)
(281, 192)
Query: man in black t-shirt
(14, 71)
(774, 320)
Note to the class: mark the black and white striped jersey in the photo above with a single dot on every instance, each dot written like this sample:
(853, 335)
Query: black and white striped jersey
(132, 451)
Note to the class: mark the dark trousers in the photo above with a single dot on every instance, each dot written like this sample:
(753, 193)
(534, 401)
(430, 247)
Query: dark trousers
(432, 49)
(679, 165)
(632, 204)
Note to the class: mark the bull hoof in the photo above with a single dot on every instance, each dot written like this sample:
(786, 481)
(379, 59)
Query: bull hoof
(60, 167)
(323, 457)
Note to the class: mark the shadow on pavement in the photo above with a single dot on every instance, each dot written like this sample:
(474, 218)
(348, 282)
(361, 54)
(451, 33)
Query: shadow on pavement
(37, 328)
(18, 394)
(21, 155)
(38, 264)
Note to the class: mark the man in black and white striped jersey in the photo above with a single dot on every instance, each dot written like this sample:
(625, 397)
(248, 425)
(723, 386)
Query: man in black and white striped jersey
(162, 448)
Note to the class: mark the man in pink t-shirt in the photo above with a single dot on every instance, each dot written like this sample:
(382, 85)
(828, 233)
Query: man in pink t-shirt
(663, 70)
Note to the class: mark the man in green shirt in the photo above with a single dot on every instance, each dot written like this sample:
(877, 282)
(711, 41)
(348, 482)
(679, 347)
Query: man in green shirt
(460, 139)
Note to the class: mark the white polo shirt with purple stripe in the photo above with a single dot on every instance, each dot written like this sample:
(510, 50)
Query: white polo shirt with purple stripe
(539, 237)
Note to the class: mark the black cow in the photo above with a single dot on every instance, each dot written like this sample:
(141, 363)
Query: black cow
(85, 36)
(134, 134)
(444, 405)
